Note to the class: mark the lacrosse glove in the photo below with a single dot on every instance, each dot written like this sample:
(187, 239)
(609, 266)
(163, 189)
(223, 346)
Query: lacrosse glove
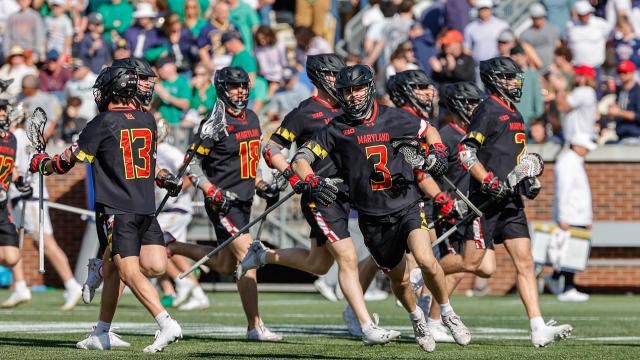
(219, 200)
(494, 187)
(166, 180)
(322, 190)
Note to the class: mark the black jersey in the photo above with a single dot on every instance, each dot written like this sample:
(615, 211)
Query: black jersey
(8, 146)
(499, 134)
(451, 135)
(120, 144)
(231, 162)
(380, 181)
(302, 122)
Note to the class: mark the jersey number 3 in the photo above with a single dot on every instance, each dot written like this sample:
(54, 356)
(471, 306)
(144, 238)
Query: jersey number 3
(129, 138)
(383, 177)
(249, 156)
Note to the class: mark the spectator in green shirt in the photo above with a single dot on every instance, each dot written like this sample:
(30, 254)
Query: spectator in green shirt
(531, 104)
(193, 19)
(246, 19)
(117, 16)
(258, 95)
(174, 92)
(204, 92)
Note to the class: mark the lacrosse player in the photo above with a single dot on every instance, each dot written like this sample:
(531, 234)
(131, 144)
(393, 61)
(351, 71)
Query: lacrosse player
(225, 171)
(124, 193)
(329, 224)
(493, 146)
(57, 257)
(383, 190)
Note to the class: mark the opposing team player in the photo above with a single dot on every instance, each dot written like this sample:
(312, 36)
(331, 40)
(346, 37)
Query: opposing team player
(225, 171)
(330, 238)
(124, 193)
(174, 221)
(9, 247)
(494, 143)
(383, 190)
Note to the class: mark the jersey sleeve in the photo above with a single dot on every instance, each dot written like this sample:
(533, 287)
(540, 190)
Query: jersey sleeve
(89, 141)
(322, 142)
(481, 127)
(287, 132)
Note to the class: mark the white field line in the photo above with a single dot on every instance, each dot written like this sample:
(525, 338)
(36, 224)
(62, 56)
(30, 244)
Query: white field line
(197, 330)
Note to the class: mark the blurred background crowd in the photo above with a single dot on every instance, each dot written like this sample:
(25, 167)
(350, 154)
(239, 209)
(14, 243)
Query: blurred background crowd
(580, 58)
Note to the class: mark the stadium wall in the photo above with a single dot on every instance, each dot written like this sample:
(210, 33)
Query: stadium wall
(614, 265)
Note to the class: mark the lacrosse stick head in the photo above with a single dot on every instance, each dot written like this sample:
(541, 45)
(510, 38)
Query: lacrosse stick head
(411, 149)
(35, 129)
(531, 165)
(216, 124)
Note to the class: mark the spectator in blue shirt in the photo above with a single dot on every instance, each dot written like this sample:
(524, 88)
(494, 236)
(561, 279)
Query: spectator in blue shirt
(94, 49)
(145, 40)
(626, 111)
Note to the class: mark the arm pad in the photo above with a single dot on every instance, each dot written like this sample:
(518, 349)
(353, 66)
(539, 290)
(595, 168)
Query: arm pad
(304, 153)
(269, 151)
(467, 155)
(195, 173)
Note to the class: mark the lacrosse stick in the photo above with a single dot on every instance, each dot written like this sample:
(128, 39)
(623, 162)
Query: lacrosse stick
(27, 178)
(35, 132)
(213, 127)
(245, 228)
(280, 182)
(531, 165)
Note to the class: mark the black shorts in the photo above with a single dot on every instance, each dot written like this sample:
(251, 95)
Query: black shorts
(498, 226)
(454, 244)
(328, 223)
(386, 237)
(227, 225)
(8, 232)
(125, 234)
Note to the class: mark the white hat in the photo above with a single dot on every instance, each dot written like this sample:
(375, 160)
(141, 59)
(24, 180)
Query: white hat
(583, 7)
(58, 2)
(144, 10)
(537, 10)
(584, 140)
(480, 4)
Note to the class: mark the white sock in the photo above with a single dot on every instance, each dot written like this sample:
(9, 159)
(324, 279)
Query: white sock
(416, 314)
(536, 323)
(163, 319)
(198, 292)
(431, 321)
(446, 309)
(102, 327)
(367, 326)
(71, 284)
(20, 286)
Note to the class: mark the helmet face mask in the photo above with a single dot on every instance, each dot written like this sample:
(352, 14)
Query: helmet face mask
(146, 78)
(232, 86)
(510, 85)
(419, 91)
(355, 91)
(462, 98)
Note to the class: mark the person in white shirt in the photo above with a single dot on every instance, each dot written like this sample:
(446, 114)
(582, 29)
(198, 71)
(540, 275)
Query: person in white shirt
(572, 204)
(481, 35)
(55, 255)
(580, 104)
(81, 86)
(174, 221)
(16, 69)
(587, 36)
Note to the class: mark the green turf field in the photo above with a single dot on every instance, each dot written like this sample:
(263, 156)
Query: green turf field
(605, 327)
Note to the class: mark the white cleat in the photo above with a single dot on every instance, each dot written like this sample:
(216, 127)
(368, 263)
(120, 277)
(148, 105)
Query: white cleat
(440, 333)
(116, 340)
(549, 333)
(195, 303)
(375, 294)
(262, 333)
(423, 335)
(254, 259)
(353, 325)
(573, 295)
(325, 290)
(16, 298)
(459, 330)
(375, 335)
(72, 298)
(95, 342)
(183, 290)
(165, 336)
(94, 280)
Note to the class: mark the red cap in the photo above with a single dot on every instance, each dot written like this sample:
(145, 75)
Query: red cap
(585, 70)
(626, 67)
(451, 36)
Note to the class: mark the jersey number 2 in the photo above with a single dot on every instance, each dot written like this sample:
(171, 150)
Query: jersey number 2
(6, 166)
(521, 138)
(379, 167)
(249, 156)
(128, 138)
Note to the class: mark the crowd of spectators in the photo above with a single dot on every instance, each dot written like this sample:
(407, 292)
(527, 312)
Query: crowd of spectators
(579, 58)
